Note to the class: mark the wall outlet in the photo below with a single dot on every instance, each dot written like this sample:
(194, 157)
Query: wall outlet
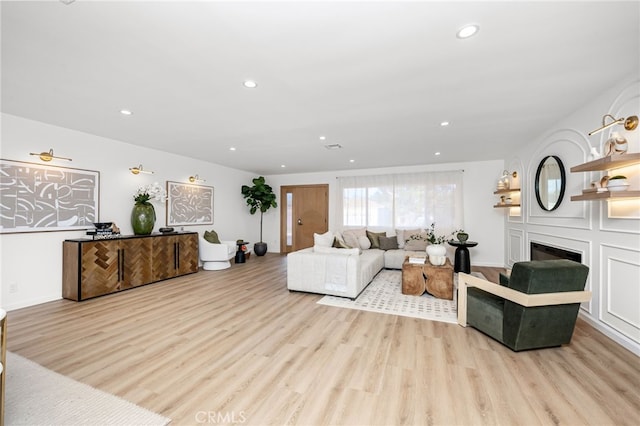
(13, 287)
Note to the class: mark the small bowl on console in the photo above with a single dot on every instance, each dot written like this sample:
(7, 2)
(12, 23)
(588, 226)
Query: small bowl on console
(102, 225)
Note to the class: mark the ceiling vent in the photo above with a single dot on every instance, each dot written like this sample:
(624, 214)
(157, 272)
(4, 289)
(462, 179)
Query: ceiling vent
(333, 146)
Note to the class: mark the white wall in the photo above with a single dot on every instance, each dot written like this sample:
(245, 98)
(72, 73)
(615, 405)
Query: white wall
(606, 233)
(31, 263)
(483, 223)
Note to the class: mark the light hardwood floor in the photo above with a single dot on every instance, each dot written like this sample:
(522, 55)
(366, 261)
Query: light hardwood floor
(236, 346)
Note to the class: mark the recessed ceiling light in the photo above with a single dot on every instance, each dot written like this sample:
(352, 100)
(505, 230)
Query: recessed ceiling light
(233, 148)
(467, 31)
(437, 153)
(352, 161)
(283, 166)
(322, 138)
(444, 123)
(125, 112)
(250, 84)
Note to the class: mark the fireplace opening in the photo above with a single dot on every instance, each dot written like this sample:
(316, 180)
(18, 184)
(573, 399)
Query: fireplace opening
(543, 252)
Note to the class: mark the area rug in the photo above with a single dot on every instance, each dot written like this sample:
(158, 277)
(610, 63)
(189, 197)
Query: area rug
(38, 396)
(384, 295)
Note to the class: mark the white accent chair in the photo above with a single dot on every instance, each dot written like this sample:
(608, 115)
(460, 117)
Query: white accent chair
(215, 257)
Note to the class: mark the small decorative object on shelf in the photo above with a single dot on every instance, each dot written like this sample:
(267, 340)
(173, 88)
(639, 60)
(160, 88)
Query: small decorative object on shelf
(603, 190)
(617, 183)
(104, 230)
(462, 236)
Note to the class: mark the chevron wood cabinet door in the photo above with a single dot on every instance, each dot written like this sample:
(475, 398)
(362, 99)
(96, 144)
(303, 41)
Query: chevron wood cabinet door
(94, 268)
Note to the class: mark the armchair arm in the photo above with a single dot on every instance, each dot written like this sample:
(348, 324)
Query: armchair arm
(528, 300)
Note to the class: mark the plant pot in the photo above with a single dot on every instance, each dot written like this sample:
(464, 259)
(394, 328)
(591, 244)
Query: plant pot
(436, 250)
(260, 249)
(462, 236)
(143, 218)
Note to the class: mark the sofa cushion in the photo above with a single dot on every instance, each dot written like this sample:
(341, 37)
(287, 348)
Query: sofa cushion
(416, 241)
(325, 240)
(403, 234)
(388, 243)
(212, 237)
(393, 259)
(335, 250)
(351, 236)
(374, 237)
(371, 262)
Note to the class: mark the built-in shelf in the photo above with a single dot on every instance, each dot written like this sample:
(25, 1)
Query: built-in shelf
(606, 195)
(497, 206)
(607, 163)
(506, 191)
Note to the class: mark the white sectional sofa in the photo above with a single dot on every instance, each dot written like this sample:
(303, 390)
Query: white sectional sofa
(324, 269)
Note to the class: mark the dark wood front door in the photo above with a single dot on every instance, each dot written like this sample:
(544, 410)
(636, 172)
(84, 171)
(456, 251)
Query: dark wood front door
(304, 210)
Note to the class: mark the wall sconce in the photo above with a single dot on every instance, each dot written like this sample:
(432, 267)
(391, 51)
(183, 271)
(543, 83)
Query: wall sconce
(506, 173)
(138, 169)
(196, 179)
(48, 156)
(630, 123)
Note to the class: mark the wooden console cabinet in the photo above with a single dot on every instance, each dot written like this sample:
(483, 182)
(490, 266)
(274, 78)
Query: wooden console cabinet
(94, 268)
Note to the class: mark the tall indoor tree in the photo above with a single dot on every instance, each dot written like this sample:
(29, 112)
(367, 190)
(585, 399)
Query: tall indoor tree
(259, 197)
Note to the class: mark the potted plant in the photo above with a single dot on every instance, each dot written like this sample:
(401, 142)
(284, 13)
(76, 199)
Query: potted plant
(259, 197)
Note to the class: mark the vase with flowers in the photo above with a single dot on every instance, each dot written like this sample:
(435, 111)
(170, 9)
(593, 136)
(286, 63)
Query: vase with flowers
(436, 249)
(143, 215)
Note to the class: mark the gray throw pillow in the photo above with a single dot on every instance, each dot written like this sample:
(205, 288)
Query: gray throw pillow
(388, 243)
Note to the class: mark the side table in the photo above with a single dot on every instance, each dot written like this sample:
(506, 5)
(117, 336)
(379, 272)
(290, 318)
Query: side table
(462, 261)
(242, 247)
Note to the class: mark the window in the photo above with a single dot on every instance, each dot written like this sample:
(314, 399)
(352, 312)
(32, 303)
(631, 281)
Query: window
(411, 200)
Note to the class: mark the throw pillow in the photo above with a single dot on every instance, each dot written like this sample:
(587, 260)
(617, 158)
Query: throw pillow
(212, 237)
(389, 243)
(351, 236)
(374, 237)
(338, 243)
(363, 242)
(403, 234)
(324, 240)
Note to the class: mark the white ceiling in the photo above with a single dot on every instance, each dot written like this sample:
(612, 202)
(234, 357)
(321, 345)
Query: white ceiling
(374, 77)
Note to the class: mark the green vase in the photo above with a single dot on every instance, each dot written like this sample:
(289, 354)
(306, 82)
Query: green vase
(143, 218)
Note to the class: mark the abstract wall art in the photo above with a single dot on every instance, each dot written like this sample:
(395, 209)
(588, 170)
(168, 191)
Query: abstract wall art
(36, 197)
(189, 204)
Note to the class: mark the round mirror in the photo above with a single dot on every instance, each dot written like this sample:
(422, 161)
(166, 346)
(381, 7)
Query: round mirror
(550, 183)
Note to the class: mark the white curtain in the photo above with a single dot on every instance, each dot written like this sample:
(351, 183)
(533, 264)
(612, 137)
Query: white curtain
(409, 200)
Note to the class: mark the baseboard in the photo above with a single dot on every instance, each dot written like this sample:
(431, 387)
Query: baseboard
(625, 342)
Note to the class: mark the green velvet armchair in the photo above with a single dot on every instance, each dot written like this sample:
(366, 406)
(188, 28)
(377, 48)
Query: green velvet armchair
(535, 307)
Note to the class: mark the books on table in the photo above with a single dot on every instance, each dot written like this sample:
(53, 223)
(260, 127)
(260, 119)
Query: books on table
(418, 259)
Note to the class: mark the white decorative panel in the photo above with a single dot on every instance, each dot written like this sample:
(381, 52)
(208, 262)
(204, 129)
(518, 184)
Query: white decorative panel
(620, 290)
(515, 246)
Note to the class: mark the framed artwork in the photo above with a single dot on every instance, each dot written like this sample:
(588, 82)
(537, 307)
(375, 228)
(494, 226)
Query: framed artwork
(38, 197)
(189, 204)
